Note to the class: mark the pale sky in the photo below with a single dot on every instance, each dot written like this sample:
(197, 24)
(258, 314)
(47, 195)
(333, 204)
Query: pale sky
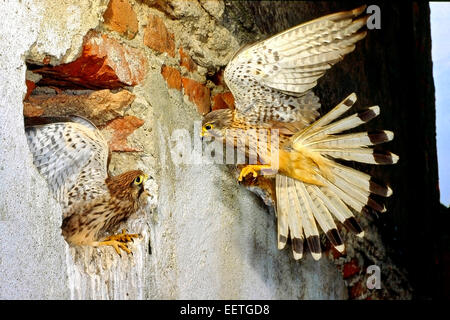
(440, 37)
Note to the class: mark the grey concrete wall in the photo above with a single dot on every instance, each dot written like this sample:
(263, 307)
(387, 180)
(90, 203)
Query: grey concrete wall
(32, 263)
(222, 236)
(209, 237)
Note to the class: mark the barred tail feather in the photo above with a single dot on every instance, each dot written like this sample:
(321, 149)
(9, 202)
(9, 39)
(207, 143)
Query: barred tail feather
(362, 155)
(324, 218)
(335, 113)
(338, 208)
(282, 210)
(352, 140)
(309, 223)
(362, 180)
(307, 205)
(301, 205)
(295, 220)
(321, 136)
(339, 190)
(345, 124)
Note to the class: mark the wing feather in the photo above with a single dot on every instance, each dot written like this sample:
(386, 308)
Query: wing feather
(64, 153)
(270, 79)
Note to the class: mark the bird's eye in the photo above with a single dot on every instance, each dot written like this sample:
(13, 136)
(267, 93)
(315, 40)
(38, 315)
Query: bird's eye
(138, 180)
(208, 127)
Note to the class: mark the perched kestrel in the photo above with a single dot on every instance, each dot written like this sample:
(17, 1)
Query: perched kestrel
(271, 82)
(72, 155)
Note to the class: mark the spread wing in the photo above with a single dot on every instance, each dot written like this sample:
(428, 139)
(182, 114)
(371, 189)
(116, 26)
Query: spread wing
(72, 156)
(272, 79)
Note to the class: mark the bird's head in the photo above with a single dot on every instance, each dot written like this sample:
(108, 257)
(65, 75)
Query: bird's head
(129, 186)
(216, 122)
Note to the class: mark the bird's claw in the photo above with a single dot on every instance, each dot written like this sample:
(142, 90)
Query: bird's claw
(246, 171)
(251, 169)
(117, 246)
(120, 241)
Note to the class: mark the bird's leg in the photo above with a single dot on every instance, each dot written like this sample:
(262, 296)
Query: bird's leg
(253, 169)
(119, 241)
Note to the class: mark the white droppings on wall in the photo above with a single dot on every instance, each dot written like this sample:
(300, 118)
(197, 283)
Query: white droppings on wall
(100, 273)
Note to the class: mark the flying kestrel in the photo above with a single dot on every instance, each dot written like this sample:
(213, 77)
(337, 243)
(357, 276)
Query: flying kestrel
(72, 155)
(271, 82)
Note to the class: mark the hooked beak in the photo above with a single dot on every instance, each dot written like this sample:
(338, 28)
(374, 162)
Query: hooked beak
(142, 188)
(203, 133)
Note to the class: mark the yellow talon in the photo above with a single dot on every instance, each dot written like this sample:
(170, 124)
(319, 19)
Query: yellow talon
(119, 241)
(253, 169)
(116, 245)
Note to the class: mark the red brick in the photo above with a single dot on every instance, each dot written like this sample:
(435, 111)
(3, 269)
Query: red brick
(198, 93)
(98, 106)
(30, 87)
(357, 290)
(172, 77)
(186, 61)
(30, 110)
(121, 128)
(46, 60)
(351, 268)
(157, 37)
(120, 17)
(223, 101)
(104, 63)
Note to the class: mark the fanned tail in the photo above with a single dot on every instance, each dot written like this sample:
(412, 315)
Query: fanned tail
(340, 188)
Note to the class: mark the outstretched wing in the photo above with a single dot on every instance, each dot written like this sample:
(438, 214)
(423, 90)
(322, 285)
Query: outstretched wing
(72, 156)
(272, 79)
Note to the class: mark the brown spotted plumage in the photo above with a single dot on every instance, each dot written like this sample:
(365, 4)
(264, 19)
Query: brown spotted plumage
(271, 82)
(72, 155)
